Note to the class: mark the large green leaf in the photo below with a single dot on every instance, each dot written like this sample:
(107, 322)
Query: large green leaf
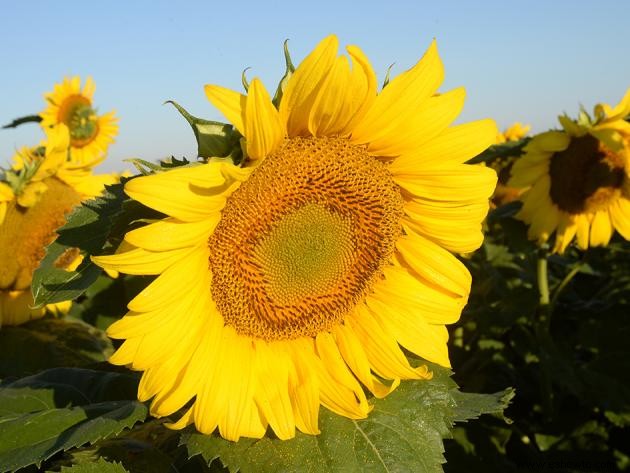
(87, 228)
(404, 432)
(63, 408)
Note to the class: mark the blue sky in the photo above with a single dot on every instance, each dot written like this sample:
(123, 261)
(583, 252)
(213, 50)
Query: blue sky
(526, 61)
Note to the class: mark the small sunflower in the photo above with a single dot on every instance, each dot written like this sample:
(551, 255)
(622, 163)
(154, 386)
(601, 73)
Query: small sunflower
(41, 188)
(579, 179)
(90, 133)
(298, 279)
(514, 132)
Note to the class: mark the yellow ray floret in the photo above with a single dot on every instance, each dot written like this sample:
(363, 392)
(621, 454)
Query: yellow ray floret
(298, 279)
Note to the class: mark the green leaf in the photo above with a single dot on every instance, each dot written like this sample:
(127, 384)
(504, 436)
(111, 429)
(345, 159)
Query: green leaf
(93, 227)
(51, 343)
(472, 405)
(63, 408)
(22, 120)
(99, 466)
(87, 228)
(404, 432)
(214, 139)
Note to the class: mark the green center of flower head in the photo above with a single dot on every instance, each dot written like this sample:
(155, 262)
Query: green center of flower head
(306, 253)
(302, 241)
(83, 123)
(586, 176)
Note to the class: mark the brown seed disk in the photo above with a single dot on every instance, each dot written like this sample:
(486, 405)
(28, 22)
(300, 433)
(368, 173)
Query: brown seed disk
(586, 176)
(26, 232)
(303, 239)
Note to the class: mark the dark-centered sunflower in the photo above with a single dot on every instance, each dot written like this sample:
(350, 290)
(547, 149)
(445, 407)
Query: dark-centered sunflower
(579, 179)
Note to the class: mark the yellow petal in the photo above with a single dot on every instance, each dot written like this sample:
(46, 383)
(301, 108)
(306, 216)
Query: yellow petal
(620, 215)
(140, 261)
(339, 390)
(401, 97)
(189, 194)
(303, 384)
(412, 332)
(456, 227)
(263, 129)
(304, 85)
(237, 383)
(230, 103)
(583, 230)
(601, 228)
(435, 305)
(184, 273)
(15, 308)
(381, 348)
(473, 183)
(354, 355)
(171, 234)
(565, 232)
(434, 263)
(455, 145)
(426, 122)
(344, 96)
(189, 381)
(534, 199)
(273, 398)
(544, 222)
(549, 141)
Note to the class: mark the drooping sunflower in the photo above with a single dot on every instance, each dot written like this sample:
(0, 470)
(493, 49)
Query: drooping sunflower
(579, 179)
(42, 189)
(504, 194)
(290, 282)
(90, 133)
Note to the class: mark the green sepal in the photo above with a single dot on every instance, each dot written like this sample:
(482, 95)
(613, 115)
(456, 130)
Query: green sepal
(214, 139)
(244, 80)
(387, 76)
(289, 70)
(22, 120)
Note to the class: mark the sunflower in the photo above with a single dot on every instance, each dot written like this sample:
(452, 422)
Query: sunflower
(41, 188)
(90, 133)
(298, 279)
(579, 179)
(514, 132)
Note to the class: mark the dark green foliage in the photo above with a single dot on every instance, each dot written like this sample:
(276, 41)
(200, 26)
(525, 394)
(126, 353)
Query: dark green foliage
(568, 362)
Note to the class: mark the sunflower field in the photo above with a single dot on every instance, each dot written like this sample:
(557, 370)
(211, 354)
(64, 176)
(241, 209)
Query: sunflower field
(346, 278)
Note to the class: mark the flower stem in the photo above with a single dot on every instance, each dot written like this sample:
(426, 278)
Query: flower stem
(543, 282)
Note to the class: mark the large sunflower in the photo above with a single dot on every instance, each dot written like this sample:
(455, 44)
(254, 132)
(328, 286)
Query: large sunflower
(90, 133)
(42, 188)
(579, 180)
(289, 282)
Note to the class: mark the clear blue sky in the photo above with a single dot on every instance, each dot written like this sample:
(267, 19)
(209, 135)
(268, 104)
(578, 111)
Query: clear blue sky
(519, 61)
